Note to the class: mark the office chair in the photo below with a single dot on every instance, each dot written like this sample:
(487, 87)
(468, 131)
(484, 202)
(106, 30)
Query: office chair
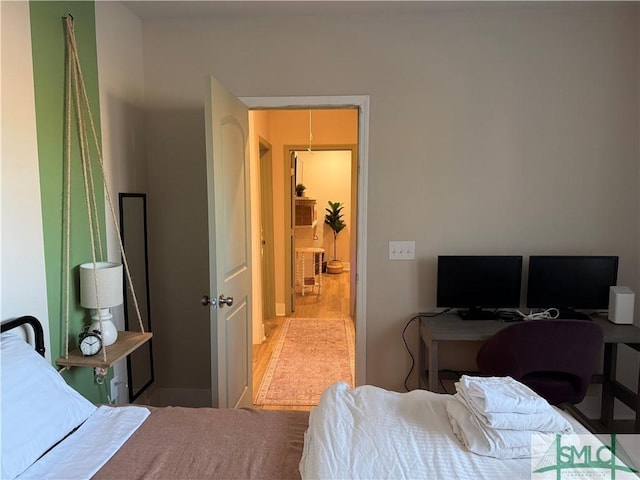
(555, 358)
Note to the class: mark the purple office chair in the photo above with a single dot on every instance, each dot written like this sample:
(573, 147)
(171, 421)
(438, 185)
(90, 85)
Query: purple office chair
(555, 358)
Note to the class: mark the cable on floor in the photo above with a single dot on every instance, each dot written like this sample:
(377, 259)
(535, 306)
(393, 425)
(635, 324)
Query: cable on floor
(406, 345)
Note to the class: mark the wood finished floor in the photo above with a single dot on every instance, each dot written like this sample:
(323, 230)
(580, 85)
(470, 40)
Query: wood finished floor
(333, 302)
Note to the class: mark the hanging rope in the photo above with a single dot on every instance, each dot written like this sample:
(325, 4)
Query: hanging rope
(67, 202)
(76, 89)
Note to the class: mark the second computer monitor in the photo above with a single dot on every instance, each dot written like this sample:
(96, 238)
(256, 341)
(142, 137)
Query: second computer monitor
(571, 282)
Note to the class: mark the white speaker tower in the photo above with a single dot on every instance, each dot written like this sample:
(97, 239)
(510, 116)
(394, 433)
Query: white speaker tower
(621, 301)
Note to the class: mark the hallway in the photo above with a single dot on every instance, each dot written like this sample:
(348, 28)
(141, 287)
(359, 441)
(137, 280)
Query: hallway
(333, 302)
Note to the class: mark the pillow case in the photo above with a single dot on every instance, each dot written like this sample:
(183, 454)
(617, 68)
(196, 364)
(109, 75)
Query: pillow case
(38, 408)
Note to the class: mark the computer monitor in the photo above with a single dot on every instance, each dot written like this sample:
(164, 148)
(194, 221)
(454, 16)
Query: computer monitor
(571, 282)
(478, 282)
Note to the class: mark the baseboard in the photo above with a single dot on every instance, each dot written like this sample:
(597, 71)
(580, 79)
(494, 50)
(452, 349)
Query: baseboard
(183, 397)
(280, 310)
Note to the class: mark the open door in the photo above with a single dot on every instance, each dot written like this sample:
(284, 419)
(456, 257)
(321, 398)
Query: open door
(227, 125)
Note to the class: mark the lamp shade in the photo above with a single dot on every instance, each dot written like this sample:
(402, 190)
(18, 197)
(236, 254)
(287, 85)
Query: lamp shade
(108, 277)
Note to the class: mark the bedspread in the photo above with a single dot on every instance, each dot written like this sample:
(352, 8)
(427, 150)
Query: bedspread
(183, 443)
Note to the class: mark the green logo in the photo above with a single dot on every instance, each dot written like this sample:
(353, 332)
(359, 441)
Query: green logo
(583, 456)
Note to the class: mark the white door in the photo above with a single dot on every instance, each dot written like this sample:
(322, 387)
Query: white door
(227, 124)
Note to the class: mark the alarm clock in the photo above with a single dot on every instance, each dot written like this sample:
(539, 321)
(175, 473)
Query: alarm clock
(89, 342)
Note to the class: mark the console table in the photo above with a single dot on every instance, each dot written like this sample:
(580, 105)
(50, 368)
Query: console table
(450, 327)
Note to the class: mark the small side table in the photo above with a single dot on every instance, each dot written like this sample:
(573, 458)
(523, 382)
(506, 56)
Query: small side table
(309, 268)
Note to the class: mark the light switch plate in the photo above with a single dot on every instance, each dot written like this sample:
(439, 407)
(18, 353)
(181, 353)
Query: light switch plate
(405, 250)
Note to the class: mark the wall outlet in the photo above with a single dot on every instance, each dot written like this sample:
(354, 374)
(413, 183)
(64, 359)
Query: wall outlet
(402, 250)
(113, 387)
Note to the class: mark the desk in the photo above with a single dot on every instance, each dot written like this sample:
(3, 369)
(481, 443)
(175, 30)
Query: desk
(450, 327)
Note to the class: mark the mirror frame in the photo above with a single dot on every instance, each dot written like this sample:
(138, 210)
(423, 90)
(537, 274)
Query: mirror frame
(141, 283)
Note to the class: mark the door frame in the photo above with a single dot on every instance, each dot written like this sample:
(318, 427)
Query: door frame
(361, 102)
(289, 205)
(266, 224)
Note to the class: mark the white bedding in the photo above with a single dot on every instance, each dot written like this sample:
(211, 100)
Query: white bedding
(85, 451)
(368, 432)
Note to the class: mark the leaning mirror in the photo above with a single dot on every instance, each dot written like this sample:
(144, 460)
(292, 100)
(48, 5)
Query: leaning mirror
(133, 230)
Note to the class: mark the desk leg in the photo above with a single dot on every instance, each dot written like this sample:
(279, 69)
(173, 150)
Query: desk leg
(422, 362)
(433, 366)
(608, 373)
(637, 425)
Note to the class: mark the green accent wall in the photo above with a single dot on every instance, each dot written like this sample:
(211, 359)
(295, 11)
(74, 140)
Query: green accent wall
(48, 45)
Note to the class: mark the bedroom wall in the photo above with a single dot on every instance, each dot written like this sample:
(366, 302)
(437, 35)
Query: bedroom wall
(121, 80)
(495, 128)
(22, 279)
(48, 51)
(31, 156)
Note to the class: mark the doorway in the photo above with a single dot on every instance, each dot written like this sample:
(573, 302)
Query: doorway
(329, 174)
(356, 220)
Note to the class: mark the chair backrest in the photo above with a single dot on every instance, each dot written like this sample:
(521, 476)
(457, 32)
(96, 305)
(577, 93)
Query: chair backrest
(554, 346)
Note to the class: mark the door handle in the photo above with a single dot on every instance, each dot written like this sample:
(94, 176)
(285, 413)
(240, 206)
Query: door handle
(206, 302)
(222, 300)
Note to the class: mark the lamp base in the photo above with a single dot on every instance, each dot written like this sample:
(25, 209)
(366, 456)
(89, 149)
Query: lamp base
(108, 332)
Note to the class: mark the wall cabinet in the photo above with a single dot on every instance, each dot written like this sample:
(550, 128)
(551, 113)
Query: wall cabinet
(305, 212)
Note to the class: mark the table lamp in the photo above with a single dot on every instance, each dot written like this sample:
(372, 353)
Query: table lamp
(101, 289)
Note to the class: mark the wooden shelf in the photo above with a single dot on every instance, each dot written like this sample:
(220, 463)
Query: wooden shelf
(126, 343)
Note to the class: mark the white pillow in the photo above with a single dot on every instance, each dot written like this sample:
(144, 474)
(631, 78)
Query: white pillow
(38, 408)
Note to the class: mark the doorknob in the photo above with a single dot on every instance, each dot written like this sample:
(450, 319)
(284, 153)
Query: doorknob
(206, 302)
(222, 300)
(213, 302)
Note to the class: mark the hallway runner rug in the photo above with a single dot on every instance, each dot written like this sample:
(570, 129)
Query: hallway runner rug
(310, 355)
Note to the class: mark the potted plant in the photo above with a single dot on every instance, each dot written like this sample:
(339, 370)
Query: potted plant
(333, 218)
(300, 188)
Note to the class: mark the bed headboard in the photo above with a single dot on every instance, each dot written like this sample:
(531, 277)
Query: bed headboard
(35, 325)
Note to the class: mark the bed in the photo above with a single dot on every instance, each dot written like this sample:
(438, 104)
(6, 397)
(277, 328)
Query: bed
(364, 432)
(369, 432)
(50, 431)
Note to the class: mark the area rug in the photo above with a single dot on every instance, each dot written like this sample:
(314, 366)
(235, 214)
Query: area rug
(310, 355)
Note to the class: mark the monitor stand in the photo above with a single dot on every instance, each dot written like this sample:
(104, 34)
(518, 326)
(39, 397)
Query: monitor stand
(570, 314)
(476, 314)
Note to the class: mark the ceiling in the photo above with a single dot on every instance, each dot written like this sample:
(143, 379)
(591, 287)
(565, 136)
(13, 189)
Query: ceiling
(162, 9)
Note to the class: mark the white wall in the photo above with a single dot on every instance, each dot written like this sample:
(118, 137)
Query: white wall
(22, 279)
(495, 128)
(121, 80)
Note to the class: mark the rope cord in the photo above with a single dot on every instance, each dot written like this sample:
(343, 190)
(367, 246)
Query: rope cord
(108, 196)
(76, 85)
(86, 177)
(67, 202)
(107, 192)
